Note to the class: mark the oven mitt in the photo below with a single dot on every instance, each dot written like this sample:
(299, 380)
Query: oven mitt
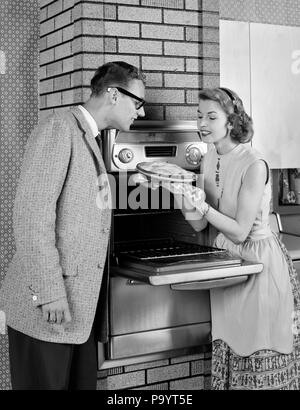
(193, 196)
(139, 178)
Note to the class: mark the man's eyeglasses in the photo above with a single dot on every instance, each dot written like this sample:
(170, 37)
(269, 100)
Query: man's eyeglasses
(139, 101)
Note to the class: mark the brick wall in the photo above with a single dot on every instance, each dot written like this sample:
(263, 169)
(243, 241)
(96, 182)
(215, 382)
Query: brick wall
(181, 373)
(175, 42)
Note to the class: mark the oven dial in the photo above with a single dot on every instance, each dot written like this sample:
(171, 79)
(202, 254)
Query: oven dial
(193, 155)
(125, 155)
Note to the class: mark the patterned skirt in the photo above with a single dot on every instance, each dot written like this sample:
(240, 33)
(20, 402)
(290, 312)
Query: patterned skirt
(264, 369)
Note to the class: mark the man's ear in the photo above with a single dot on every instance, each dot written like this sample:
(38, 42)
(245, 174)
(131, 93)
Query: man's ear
(114, 96)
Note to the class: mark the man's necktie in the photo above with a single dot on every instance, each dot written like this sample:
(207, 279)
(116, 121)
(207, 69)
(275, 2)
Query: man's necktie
(99, 141)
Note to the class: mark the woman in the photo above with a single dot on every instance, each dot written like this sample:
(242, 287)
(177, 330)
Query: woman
(255, 341)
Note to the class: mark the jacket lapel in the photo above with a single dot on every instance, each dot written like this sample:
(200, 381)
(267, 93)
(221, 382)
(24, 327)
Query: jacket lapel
(87, 134)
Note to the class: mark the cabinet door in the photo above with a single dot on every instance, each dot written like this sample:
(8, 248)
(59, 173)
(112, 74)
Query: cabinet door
(235, 59)
(261, 62)
(275, 93)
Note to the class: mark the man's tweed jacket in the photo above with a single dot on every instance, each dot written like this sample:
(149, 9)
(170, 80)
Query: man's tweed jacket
(61, 227)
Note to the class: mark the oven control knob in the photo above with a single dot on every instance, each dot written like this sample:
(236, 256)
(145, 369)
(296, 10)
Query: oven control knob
(193, 155)
(125, 155)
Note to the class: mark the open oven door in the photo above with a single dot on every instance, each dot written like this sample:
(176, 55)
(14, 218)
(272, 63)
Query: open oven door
(193, 279)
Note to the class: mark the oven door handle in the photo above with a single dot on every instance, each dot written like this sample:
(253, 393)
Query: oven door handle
(210, 284)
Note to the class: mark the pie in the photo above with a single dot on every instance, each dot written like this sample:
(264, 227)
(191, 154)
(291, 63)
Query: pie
(165, 171)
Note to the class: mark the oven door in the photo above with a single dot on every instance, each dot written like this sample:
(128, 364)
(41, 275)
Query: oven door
(206, 278)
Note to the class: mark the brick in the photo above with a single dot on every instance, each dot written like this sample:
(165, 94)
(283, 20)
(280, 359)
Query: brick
(110, 45)
(54, 68)
(54, 8)
(165, 96)
(67, 97)
(133, 60)
(46, 27)
(110, 12)
(193, 4)
(115, 370)
(62, 82)
(208, 34)
(54, 39)
(162, 32)
(139, 14)
(154, 79)
(43, 102)
(90, 10)
(42, 72)
(181, 112)
(211, 50)
(197, 367)
(92, 44)
(149, 365)
(184, 18)
(207, 383)
(63, 51)
(207, 367)
(154, 112)
(167, 372)
(182, 80)
(203, 65)
(44, 3)
(209, 20)
(67, 64)
(46, 86)
(112, 28)
(158, 386)
(124, 381)
(68, 4)
(77, 79)
(68, 33)
(43, 14)
(43, 43)
(192, 97)
(211, 81)
(53, 100)
(63, 19)
(163, 63)
(140, 46)
(91, 61)
(173, 4)
(77, 45)
(192, 383)
(211, 5)
(46, 56)
(182, 49)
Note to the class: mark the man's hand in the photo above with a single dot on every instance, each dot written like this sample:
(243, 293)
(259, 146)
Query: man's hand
(57, 312)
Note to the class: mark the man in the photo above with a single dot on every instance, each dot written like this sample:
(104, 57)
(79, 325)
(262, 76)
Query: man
(61, 226)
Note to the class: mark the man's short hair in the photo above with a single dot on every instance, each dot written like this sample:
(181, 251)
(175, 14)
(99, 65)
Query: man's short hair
(116, 73)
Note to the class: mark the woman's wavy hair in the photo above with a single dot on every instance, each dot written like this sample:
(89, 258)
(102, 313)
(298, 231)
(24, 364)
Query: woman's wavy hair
(241, 122)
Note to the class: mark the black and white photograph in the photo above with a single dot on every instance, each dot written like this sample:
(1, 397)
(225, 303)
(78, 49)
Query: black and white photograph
(149, 198)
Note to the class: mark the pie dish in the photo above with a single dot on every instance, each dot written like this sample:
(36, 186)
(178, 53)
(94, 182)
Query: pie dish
(165, 171)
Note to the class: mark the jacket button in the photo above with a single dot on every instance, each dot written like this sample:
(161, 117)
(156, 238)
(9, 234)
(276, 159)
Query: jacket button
(105, 230)
(100, 266)
(34, 298)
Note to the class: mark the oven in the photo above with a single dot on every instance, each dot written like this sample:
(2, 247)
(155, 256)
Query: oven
(160, 270)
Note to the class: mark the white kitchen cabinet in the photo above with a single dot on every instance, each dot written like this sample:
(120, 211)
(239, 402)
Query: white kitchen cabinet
(261, 62)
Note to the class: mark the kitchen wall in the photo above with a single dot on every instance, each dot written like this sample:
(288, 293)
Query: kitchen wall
(19, 37)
